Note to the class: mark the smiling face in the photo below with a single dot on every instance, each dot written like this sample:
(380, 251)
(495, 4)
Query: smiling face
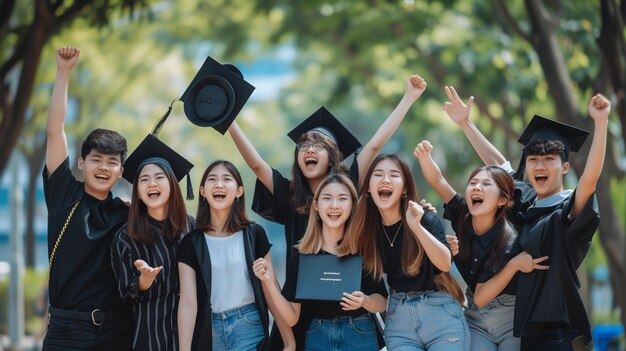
(153, 189)
(483, 195)
(386, 185)
(101, 171)
(220, 189)
(334, 205)
(313, 159)
(545, 173)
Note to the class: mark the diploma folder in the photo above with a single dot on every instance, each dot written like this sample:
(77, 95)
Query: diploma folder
(327, 277)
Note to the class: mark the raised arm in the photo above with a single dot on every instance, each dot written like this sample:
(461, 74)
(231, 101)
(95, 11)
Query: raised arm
(599, 109)
(261, 169)
(437, 252)
(523, 262)
(431, 171)
(56, 148)
(288, 311)
(415, 86)
(459, 113)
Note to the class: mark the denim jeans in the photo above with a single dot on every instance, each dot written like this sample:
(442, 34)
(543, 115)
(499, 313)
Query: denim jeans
(71, 334)
(237, 329)
(430, 320)
(341, 334)
(491, 327)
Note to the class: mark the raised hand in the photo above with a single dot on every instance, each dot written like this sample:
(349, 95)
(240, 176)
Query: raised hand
(414, 213)
(423, 149)
(453, 242)
(354, 301)
(67, 57)
(146, 270)
(455, 108)
(427, 205)
(415, 86)
(599, 108)
(262, 270)
(525, 263)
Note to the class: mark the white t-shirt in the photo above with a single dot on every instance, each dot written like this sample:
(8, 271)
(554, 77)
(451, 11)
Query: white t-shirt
(230, 279)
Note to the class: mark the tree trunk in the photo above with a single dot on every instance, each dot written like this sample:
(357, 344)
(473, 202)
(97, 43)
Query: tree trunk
(35, 162)
(12, 123)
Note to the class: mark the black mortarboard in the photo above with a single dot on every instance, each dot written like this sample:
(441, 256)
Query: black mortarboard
(153, 151)
(216, 95)
(541, 128)
(324, 122)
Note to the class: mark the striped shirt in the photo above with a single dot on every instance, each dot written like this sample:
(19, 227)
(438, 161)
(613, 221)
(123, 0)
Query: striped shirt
(155, 310)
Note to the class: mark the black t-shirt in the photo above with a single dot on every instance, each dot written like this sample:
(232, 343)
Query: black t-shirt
(473, 267)
(392, 256)
(81, 277)
(327, 309)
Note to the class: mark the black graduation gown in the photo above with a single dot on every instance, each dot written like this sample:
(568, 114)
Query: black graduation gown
(551, 297)
(202, 334)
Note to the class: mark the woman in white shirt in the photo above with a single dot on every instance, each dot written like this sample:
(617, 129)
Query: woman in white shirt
(221, 301)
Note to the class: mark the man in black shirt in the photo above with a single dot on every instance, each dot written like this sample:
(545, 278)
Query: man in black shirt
(86, 311)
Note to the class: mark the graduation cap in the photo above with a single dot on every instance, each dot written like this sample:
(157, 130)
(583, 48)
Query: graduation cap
(324, 122)
(216, 95)
(153, 151)
(541, 128)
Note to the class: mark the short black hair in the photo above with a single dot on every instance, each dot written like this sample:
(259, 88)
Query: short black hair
(106, 141)
(546, 147)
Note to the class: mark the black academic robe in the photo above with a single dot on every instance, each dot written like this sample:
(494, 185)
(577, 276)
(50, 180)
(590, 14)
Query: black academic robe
(551, 297)
(202, 334)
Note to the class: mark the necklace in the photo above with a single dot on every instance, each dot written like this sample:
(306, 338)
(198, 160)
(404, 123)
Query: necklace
(394, 237)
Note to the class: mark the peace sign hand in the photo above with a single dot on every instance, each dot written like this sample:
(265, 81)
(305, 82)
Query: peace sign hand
(525, 263)
(455, 108)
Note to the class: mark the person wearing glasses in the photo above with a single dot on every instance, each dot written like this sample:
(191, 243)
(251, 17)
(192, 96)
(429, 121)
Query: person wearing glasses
(322, 145)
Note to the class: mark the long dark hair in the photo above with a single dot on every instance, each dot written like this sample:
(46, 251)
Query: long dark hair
(497, 254)
(301, 194)
(366, 227)
(238, 219)
(138, 225)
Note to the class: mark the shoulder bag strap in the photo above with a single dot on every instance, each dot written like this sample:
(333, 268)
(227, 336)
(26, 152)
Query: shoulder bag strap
(56, 244)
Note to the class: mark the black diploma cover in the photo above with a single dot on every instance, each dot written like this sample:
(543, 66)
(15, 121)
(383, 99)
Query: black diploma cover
(327, 277)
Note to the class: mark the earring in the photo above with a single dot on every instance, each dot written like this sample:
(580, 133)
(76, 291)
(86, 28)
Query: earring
(368, 195)
(404, 195)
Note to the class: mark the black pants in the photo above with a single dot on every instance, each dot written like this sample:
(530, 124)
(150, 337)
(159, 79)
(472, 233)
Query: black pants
(71, 334)
(557, 339)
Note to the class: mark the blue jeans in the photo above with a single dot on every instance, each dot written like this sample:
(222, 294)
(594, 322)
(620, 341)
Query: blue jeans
(341, 334)
(237, 329)
(491, 327)
(425, 321)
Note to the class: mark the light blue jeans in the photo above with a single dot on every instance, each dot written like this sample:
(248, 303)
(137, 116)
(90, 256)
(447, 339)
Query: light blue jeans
(237, 329)
(342, 334)
(430, 320)
(491, 327)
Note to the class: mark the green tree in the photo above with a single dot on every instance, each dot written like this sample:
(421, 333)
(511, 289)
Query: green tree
(25, 28)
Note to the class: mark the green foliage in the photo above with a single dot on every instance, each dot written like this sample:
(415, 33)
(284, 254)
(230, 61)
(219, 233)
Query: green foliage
(34, 282)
